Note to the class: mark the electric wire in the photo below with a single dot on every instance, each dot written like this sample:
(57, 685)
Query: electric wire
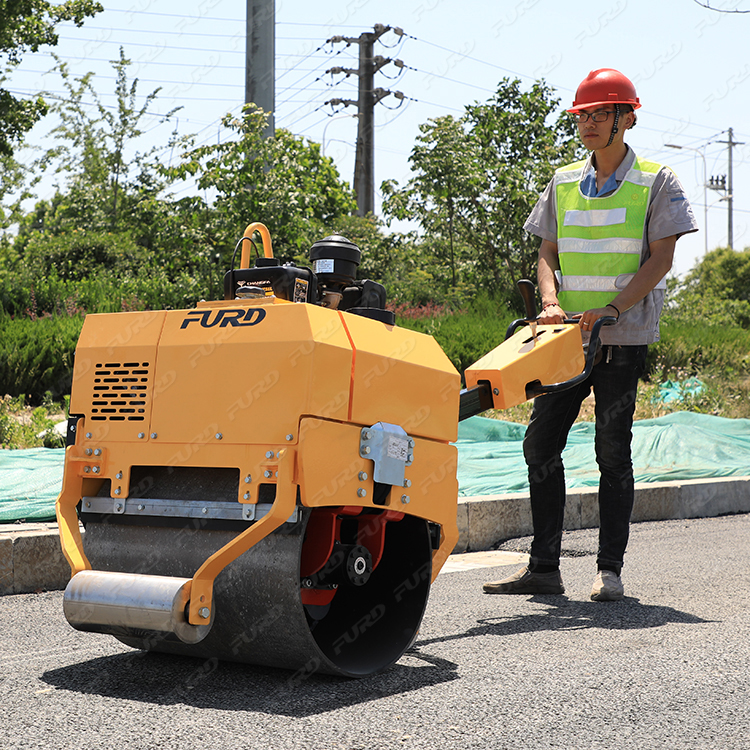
(298, 85)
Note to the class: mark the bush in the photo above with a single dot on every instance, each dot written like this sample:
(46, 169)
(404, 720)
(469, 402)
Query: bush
(687, 348)
(151, 288)
(36, 356)
(24, 427)
(81, 255)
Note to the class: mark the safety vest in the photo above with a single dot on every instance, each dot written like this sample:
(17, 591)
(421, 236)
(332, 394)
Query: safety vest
(599, 240)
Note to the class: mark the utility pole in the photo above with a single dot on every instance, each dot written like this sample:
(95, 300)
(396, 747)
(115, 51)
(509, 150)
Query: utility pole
(260, 50)
(731, 143)
(368, 97)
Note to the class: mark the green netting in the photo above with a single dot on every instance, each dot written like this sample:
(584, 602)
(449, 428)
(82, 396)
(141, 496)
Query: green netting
(680, 446)
(30, 482)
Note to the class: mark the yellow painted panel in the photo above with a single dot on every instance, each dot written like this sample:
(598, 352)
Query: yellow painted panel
(555, 354)
(252, 461)
(114, 375)
(402, 377)
(247, 371)
(330, 473)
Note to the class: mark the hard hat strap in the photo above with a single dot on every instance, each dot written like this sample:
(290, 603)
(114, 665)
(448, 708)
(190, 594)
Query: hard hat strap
(614, 124)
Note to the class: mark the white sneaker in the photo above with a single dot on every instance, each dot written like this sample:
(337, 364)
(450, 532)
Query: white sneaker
(607, 587)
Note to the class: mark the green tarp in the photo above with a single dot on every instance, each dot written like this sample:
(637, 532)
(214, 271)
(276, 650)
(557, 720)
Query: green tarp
(680, 446)
(30, 482)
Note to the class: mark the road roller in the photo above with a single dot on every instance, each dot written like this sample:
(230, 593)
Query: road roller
(270, 478)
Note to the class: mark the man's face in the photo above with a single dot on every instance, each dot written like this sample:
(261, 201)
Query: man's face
(595, 135)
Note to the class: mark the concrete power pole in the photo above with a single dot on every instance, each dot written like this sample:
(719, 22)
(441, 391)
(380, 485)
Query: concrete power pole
(731, 143)
(260, 53)
(368, 97)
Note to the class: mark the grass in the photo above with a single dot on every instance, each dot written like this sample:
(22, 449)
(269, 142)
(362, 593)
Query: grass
(23, 426)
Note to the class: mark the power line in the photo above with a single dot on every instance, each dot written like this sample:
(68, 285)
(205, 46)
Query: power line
(213, 18)
(462, 54)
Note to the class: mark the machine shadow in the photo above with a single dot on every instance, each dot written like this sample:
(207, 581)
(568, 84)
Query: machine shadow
(564, 614)
(165, 680)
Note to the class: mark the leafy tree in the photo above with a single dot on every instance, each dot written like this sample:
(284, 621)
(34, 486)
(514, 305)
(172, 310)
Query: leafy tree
(283, 181)
(110, 190)
(13, 186)
(477, 178)
(27, 25)
(717, 290)
(445, 178)
(102, 186)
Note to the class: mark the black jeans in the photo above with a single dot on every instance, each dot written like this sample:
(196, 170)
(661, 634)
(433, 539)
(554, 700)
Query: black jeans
(615, 382)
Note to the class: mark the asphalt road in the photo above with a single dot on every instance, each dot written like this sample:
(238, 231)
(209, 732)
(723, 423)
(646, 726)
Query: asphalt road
(668, 667)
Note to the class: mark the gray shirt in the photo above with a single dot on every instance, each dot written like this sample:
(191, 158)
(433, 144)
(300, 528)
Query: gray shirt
(669, 213)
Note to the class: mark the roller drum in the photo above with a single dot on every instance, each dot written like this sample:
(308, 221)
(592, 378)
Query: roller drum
(260, 617)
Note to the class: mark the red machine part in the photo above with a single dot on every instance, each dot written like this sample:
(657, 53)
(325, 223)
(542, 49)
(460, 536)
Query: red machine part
(324, 530)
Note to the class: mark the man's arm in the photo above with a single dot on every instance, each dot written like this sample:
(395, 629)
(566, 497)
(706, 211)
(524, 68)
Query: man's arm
(547, 265)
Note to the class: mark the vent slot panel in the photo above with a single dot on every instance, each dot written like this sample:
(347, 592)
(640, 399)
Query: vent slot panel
(120, 392)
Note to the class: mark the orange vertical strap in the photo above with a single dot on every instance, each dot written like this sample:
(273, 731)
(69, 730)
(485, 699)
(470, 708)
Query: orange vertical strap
(354, 362)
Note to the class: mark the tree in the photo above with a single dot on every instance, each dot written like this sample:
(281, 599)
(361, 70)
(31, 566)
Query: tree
(26, 25)
(477, 179)
(283, 181)
(717, 290)
(13, 181)
(102, 185)
(445, 174)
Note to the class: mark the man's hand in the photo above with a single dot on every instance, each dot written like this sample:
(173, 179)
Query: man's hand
(551, 314)
(587, 319)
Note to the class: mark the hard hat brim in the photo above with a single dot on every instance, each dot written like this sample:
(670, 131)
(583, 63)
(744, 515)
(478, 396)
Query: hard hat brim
(589, 105)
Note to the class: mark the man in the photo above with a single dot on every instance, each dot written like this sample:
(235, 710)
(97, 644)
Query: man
(608, 227)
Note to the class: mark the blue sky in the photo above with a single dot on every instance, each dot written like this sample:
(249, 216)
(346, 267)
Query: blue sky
(689, 64)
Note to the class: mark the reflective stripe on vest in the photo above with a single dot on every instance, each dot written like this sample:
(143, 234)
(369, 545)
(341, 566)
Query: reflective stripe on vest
(600, 240)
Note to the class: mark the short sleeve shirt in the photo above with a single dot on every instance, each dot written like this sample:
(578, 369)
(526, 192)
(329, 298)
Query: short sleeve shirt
(669, 213)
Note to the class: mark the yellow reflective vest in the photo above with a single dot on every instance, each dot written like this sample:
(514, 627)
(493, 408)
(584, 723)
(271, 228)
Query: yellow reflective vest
(600, 240)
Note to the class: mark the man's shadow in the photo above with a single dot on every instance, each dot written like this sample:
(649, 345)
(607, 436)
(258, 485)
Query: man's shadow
(565, 614)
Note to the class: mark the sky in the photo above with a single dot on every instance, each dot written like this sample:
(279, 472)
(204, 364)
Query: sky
(689, 64)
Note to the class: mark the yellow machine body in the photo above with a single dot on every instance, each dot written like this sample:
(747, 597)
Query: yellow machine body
(277, 390)
(271, 481)
(533, 354)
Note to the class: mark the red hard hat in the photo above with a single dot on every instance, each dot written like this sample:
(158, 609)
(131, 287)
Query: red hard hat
(605, 86)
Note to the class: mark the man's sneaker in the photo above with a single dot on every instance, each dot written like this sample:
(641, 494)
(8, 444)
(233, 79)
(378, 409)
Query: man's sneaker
(526, 582)
(607, 587)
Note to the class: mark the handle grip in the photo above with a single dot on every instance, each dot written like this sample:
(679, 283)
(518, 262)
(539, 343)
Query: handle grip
(526, 288)
(539, 389)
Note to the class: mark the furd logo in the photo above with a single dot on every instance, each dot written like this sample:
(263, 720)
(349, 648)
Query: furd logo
(223, 318)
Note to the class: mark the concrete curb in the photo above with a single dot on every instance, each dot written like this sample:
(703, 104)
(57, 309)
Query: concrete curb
(483, 522)
(31, 559)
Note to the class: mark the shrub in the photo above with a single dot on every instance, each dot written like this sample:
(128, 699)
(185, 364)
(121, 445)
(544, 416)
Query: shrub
(24, 427)
(80, 255)
(36, 356)
(687, 348)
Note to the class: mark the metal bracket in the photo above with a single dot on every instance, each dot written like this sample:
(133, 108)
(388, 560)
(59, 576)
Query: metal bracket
(181, 508)
(391, 450)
